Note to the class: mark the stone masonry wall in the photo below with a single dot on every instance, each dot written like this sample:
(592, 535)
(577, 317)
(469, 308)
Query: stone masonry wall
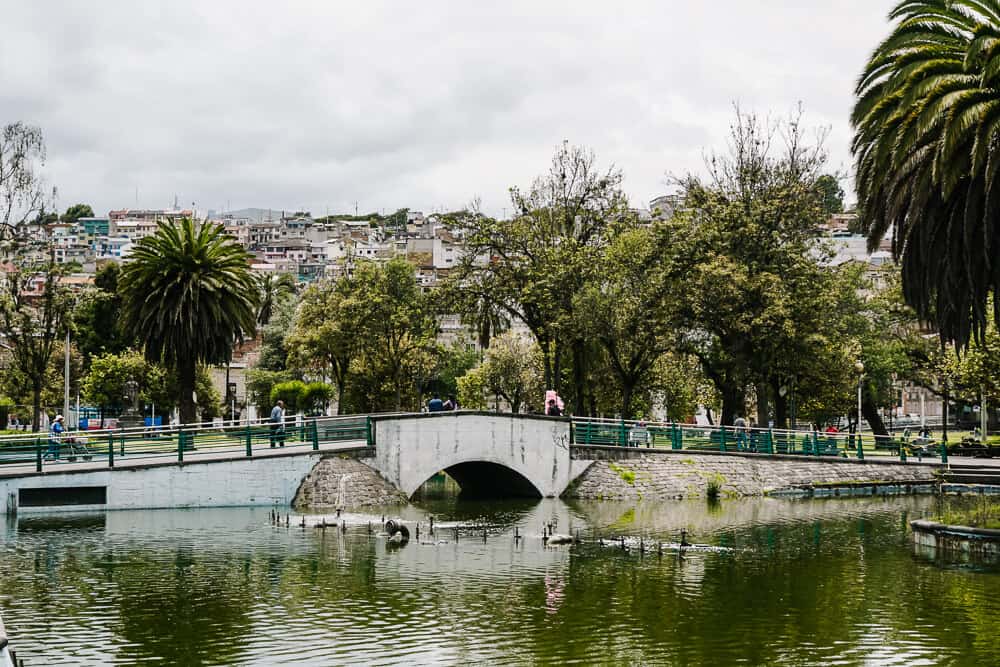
(664, 475)
(342, 482)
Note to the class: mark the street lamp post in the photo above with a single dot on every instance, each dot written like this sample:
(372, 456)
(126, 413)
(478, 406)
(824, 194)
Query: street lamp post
(860, 368)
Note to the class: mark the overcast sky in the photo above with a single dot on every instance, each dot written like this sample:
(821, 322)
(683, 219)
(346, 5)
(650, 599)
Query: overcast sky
(426, 105)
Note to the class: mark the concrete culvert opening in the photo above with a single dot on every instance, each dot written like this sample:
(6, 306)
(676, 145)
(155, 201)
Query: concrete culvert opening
(481, 479)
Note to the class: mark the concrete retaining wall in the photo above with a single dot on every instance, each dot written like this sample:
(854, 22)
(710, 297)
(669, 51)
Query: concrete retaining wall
(956, 539)
(238, 482)
(622, 473)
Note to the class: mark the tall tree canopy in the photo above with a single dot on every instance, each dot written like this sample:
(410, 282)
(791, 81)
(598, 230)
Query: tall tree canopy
(927, 123)
(187, 294)
(32, 315)
(77, 211)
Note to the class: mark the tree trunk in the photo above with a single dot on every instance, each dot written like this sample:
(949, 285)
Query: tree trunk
(186, 370)
(945, 416)
(547, 363)
(780, 407)
(627, 390)
(871, 415)
(36, 407)
(580, 378)
(763, 405)
(732, 403)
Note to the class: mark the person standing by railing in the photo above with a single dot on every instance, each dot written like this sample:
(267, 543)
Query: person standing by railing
(740, 424)
(278, 424)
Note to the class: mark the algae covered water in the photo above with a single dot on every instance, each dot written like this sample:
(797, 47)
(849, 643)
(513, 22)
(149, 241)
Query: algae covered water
(792, 582)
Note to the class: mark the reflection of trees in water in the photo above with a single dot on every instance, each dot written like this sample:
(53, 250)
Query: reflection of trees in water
(800, 592)
(797, 595)
(184, 610)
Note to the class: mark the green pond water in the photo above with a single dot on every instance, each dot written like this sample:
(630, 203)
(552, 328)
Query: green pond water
(818, 582)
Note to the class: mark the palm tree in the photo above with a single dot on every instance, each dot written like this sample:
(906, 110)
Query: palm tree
(188, 293)
(927, 149)
(273, 289)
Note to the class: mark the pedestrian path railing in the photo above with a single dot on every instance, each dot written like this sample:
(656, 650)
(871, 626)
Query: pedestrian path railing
(628, 433)
(176, 442)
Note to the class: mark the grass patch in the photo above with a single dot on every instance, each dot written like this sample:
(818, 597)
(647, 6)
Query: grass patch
(628, 476)
(713, 485)
(984, 513)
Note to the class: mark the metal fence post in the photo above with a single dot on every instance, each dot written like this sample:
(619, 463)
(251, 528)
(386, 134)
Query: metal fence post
(315, 435)
(249, 439)
(624, 433)
(180, 445)
(111, 450)
(121, 437)
(815, 443)
(770, 441)
(902, 452)
(861, 447)
(944, 452)
(368, 431)
(38, 455)
(722, 439)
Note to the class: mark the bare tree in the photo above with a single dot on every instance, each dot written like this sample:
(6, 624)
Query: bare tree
(22, 153)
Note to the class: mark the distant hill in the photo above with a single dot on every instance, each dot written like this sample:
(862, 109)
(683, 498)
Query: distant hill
(256, 214)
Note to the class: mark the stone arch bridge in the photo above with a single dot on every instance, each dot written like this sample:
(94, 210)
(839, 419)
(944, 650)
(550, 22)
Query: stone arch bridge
(485, 453)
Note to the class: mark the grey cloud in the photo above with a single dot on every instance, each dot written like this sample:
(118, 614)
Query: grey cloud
(402, 104)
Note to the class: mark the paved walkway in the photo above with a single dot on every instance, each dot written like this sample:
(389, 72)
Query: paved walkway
(209, 455)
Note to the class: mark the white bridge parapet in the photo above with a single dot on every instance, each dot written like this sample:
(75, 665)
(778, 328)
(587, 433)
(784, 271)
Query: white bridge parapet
(410, 449)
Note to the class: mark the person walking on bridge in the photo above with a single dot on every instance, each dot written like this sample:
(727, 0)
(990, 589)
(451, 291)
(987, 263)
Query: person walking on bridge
(278, 424)
(55, 438)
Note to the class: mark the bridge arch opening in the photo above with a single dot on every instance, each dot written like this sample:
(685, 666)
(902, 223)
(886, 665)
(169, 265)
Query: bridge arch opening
(484, 479)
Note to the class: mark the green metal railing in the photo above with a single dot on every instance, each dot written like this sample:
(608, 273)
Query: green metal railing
(180, 443)
(626, 433)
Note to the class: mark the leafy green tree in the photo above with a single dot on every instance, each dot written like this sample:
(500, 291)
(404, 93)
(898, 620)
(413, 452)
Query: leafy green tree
(32, 314)
(472, 389)
(260, 383)
(290, 392)
(533, 265)
(831, 194)
(187, 295)
(629, 312)
(395, 327)
(511, 371)
(77, 211)
(18, 386)
(761, 301)
(274, 289)
(926, 124)
(105, 382)
(97, 316)
(209, 402)
(446, 364)
(328, 329)
(275, 335)
(315, 397)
